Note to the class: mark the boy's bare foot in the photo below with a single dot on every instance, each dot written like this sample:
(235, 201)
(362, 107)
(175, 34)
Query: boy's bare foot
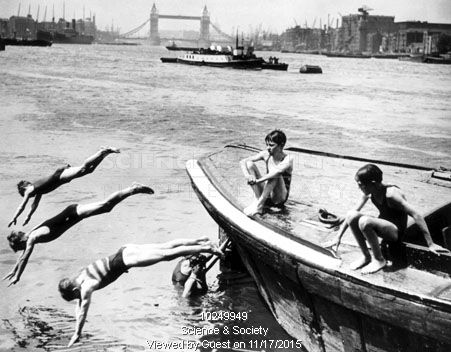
(357, 264)
(202, 239)
(109, 150)
(253, 209)
(374, 266)
(140, 188)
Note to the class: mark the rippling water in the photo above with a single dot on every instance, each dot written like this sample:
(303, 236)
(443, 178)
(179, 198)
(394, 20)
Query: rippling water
(60, 104)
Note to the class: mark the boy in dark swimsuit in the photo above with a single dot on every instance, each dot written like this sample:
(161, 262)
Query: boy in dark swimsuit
(54, 227)
(273, 188)
(390, 225)
(61, 176)
(106, 270)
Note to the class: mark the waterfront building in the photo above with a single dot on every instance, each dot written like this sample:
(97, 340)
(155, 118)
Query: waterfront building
(420, 37)
(364, 33)
(4, 27)
(21, 27)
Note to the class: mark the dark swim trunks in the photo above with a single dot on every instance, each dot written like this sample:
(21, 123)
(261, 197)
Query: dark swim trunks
(48, 184)
(63, 221)
(108, 269)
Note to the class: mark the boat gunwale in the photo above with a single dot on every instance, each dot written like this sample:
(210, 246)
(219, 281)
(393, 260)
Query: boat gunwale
(433, 302)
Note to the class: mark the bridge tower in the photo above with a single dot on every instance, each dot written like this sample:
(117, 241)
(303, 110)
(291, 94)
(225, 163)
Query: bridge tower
(204, 37)
(154, 35)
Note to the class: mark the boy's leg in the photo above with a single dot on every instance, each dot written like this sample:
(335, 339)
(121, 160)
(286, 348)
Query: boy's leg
(274, 189)
(353, 218)
(89, 164)
(105, 206)
(149, 254)
(181, 242)
(254, 171)
(372, 228)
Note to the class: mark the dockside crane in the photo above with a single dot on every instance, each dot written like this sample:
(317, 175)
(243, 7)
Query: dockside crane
(365, 11)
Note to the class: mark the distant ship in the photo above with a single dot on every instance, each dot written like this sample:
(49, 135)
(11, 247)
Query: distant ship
(68, 36)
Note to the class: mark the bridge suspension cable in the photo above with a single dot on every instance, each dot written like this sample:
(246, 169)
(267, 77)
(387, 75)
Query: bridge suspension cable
(133, 31)
(221, 32)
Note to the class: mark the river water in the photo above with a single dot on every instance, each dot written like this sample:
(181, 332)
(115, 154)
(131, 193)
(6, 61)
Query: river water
(60, 104)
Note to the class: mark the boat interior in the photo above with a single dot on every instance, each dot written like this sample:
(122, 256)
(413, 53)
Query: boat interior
(326, 181)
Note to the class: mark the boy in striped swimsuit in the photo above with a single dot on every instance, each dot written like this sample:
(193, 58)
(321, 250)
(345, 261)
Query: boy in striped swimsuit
(106, 270)
(54, 227)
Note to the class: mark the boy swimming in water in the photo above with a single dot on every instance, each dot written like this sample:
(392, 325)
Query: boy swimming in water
(390, 225)
(273, 188)
(106, 270)
(61, 176)
(54, 227)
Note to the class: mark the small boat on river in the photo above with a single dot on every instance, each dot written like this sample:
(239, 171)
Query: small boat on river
(222, 57)
(26, 42)
(310, 290)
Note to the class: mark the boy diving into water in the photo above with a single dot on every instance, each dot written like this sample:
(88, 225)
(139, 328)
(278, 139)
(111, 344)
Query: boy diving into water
(61, 176)
(106, 270)
(54, 227)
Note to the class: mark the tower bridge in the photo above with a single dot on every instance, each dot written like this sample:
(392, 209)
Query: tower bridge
(205, 37)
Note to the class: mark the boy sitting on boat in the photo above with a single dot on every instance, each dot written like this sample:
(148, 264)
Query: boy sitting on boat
(273, 188)
(390, 225)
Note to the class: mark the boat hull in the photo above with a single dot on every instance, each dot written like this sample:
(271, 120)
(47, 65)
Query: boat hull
(310, 298)
(65, 38)
(243, 64)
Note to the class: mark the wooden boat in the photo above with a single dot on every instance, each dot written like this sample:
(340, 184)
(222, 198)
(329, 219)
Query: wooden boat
(273, 66)
(168, 59)
(26, 42)
(311, 292)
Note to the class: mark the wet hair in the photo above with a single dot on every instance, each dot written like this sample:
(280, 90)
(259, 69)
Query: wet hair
(276, 136)
(21, 186)
(197, 259)
(369, 173)
(17, 241)
(69, 290)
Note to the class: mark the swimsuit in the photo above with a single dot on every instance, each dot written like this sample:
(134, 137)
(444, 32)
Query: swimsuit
(108, 269)
(177, 275)
(286, 177)
(393, 215)
(62, 222)
(48, 184)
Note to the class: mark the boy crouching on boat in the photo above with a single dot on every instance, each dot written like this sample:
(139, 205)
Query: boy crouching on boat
(106, 270)
(273, 188)
(390, 225)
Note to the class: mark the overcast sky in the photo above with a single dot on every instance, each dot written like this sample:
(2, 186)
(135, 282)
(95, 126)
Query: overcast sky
(275, 15)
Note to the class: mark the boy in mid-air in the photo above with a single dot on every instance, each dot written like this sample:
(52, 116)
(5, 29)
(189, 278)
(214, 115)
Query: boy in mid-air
(390, 225)
(273, 188)
(106, 270)
(59, 177)
(54, 227)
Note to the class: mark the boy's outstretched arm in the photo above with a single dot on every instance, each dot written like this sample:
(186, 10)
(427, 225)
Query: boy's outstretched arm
(20, 208)
(401, 202)
(33, 208)
(337, 238)
(81, 312)
(21, 263)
